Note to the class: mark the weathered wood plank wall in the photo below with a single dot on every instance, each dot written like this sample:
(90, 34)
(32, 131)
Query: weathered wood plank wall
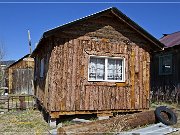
(22, 81)
(19, 78)
(68, 88)
(165, 86)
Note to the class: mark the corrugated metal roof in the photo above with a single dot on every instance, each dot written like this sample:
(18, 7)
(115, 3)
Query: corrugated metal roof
(170, 40)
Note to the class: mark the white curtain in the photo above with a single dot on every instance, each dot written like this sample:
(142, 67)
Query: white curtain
(114, 69)
(96, 68)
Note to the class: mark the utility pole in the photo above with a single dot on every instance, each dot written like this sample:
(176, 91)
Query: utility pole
(29, 40)
(30, 51)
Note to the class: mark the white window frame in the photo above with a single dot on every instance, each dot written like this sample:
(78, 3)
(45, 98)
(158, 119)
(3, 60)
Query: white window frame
(42, 68)
(106, 69)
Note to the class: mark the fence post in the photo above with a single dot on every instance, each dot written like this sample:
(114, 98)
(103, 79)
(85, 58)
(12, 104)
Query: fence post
(8, 103)
(22, 102)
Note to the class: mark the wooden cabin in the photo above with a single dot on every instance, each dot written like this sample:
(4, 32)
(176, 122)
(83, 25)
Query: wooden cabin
(20, 76)
(97, 64)
(165, 70)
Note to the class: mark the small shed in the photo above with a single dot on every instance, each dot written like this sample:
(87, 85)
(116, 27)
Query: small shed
(98, 64)
(3, 66)
(20, 76)
(165, 78)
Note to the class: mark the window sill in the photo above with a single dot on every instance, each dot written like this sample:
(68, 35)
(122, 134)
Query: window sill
(106, 81)
(112, 84)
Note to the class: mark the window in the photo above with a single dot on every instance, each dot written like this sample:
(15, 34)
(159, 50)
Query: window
(165, 64)
(42, 68)
(106, 69)
(36, 67)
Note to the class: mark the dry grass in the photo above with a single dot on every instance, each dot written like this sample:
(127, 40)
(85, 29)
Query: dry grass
(32, 122)
(23, 122)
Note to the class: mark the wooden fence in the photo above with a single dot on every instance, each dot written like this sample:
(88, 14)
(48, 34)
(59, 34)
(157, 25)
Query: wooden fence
(17, 102)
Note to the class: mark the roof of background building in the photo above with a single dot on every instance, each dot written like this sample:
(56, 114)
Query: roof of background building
(27, 55)
(170, 40)
(7, 63)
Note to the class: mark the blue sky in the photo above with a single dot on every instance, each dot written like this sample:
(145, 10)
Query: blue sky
(17, 18)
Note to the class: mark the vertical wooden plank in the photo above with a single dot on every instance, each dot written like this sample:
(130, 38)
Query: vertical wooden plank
(109, 98)
(132, 67)
(105, 98)
(69, 75)
(144, 79)
(82, 73)
(78, 77)
(100, 98)
(119, 100)
(136, 91)
(148, 80)
(74, 75)
(46, 91)
(124, 98)
(129, 106)
(140, 78)
(96, 97)
(110, 46)
(91, 90)
(127, 80)
(56, 80)
(113, 96)
(118, 47)
(137, 87)
(136, 59)
(122, 48)
(87, 97)
(117, 97)
(54, 85)
(59, 75)
(97, 46)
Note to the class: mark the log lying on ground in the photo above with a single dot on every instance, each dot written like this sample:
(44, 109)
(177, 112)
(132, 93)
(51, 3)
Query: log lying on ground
(115, 124)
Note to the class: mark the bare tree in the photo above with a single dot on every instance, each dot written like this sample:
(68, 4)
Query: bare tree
(1, 50)
(2, 67)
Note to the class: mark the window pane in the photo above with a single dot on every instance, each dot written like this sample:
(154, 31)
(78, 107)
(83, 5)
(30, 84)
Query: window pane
(118, 73)
(114, 69)
(97, 68)
(100, 69)
(42, 68)
(165, 64)
(111, 69)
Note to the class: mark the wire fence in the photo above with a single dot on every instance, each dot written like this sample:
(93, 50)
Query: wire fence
(17, 102)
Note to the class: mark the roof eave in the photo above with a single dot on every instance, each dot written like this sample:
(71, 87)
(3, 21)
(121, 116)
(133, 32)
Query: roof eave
(116, 12)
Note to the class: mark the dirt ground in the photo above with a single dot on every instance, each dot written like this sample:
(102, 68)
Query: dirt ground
(32, 122)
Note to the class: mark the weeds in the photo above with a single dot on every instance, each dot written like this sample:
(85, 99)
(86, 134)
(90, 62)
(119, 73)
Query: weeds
(30, 121)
